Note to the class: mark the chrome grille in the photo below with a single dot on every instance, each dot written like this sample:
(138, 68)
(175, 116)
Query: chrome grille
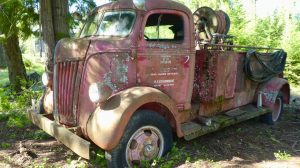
(66, 78)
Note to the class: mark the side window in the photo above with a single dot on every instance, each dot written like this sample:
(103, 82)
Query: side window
(164, 27)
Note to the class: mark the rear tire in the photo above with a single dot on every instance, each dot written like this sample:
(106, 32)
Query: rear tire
(274, 116)
(147, 136)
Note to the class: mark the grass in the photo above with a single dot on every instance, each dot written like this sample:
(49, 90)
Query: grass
(32, 62)
(4, 145)
(3, 76)
(282, 155)
(295, 90)
(178, 155)
(12, 105)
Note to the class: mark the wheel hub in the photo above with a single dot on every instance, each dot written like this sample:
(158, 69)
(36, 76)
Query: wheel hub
(145, 144)
(149, 150)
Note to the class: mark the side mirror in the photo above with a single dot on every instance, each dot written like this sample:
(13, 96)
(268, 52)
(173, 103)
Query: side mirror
(77, 16)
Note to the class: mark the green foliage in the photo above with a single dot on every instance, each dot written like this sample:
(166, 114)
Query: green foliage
(164, 32)
(4, 145)
(238, 23)
(282, 155)
(77, 163)
(18, 120)
(98, 158)
(292, 45)
(195, 4)
(17, 17)
(40, 135)
(172, 158)
(43, 164)
(15, 106)
(83, 7)
(268, 32)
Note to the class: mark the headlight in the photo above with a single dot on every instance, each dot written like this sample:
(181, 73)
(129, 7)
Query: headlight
(45, 79)
(99, 92)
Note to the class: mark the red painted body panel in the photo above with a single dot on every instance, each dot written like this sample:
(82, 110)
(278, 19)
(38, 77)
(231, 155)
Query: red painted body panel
(167, 66)
(70, 54)
(114, 69)
(104, 60)
(213, 80)
(220, 83)
(271, 89)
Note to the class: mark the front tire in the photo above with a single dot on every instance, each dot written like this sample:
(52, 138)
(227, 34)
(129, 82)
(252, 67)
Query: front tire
(147, 136)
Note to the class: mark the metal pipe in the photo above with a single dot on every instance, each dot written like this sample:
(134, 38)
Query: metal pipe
(239, 46)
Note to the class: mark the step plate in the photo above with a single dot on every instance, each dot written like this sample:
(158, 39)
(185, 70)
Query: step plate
(193, 130)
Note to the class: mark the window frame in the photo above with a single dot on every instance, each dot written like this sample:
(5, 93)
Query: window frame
(102, 12)
(185, 22)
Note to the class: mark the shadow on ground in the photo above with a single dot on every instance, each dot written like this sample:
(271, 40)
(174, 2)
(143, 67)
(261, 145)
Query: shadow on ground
(248, 144)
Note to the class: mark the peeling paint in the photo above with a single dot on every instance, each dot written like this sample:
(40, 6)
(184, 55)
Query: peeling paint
(121, 68)
(161, 46)
(107, 80)
(270, 96)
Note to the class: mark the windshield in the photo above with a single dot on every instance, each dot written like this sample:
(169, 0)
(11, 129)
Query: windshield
(114, 23)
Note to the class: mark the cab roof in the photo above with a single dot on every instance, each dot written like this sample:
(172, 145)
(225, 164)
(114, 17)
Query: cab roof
(149, 5)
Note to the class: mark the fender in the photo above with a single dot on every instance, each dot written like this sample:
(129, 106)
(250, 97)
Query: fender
(271, 89)
(107, 124)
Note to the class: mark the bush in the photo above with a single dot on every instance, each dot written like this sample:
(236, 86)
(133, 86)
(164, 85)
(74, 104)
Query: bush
(13, 106)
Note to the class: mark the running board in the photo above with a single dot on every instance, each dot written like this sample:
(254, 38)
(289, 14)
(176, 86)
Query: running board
(77, 144)
(193, 130)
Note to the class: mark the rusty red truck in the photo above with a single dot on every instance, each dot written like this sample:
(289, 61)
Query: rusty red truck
(142, 72)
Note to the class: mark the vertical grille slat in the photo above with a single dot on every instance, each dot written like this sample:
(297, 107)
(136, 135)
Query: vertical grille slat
(73, 79)
(64, 70)
(60, 86)
(65, 92)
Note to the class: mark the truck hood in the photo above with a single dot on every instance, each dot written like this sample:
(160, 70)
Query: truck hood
(77, 49)
(71, 49)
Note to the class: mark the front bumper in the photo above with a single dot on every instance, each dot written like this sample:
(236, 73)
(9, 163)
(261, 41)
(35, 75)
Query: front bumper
(77, 144)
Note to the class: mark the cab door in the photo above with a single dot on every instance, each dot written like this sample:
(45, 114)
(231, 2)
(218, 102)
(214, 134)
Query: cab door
(165, 60)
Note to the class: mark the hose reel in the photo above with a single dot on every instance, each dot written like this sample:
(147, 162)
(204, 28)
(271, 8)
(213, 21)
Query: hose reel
(210, 23)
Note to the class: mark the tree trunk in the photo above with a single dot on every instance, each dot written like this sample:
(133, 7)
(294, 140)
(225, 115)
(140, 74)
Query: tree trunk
(47, 32)
(60, 10)
(2, 59)
(16, 69)
(54, 26)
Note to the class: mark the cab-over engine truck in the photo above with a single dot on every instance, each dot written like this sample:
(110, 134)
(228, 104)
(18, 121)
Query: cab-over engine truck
(140, 71)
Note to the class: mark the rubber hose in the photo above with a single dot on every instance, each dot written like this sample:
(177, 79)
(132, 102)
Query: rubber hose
(270, 68)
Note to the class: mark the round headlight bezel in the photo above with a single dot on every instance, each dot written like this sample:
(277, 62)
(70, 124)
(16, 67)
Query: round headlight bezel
(45, 79)
(94, 93)
(99, 92)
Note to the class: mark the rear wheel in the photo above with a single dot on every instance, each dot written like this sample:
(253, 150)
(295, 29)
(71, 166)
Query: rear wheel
(274, 116)
(147, 136)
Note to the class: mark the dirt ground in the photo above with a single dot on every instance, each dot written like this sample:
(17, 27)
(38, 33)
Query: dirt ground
(249, 144)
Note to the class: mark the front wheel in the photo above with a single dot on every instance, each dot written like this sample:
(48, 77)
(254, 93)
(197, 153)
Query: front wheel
(272, 117)
(147, 136)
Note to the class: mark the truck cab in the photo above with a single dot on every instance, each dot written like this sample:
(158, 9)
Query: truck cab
(134, 76)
